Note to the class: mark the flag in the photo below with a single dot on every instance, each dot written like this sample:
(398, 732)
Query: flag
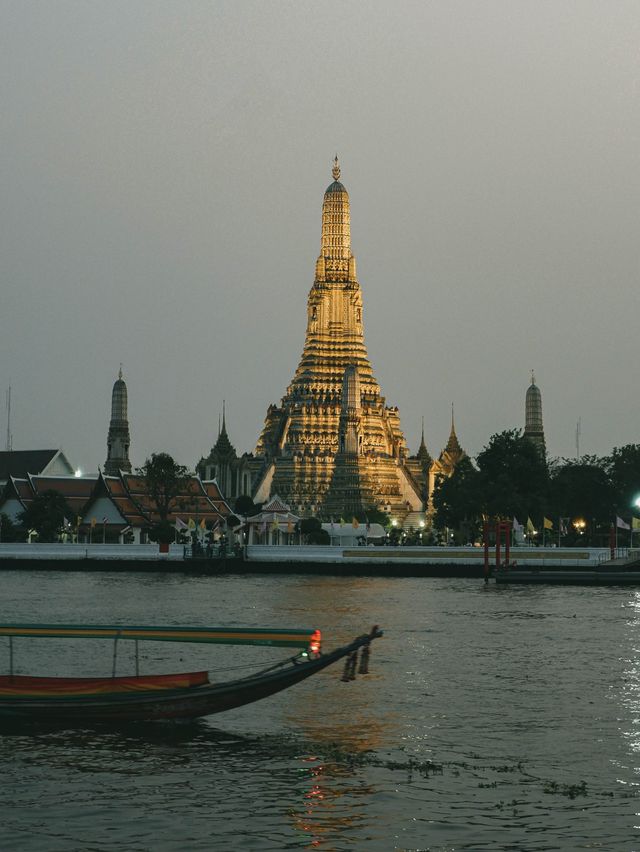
(93, 522)
(635, 523)
(180, 525)
(203, 526)
(78, 521)
(332, 524)
(516, 525)
(564, 526)
(66, 522)
(274, 524)
(547, 524)
(105, 521)
(368, 525)
(623, 525)
(191, 524)
(341, 522)
(290, 526)
(355, 524)
(530, 526)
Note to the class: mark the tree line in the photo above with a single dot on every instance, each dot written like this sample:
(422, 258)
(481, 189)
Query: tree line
(510, 478)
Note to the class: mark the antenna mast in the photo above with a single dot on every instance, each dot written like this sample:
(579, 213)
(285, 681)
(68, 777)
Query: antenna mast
(578, 433)
(9, 435)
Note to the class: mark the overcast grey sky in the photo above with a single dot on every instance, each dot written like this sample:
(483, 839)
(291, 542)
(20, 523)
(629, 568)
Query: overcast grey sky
(162, 172)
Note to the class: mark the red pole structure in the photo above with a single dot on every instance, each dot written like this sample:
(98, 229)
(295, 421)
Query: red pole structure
(498, 531)
(485, 541)
(612, 541)
(506, 526)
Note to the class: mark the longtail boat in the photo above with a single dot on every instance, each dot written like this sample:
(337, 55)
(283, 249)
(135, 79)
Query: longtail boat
(73, 701)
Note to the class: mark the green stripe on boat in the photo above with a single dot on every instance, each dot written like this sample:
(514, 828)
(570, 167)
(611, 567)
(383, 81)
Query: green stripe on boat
(214, 635)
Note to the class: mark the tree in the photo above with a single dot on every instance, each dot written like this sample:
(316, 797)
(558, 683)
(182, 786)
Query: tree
(311, 529)
(456, 498)
(9, 530)
(46, 514)
(245, 506)
(513, 477)
(165, 481)
(582, 488)
(623, 467)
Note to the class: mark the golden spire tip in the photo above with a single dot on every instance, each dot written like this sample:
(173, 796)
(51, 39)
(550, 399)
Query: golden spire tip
(335, 171)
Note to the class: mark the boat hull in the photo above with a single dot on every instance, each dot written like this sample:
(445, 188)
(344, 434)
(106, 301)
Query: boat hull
(184, 703)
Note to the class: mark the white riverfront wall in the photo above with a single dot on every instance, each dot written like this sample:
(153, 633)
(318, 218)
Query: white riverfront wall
(52, 552)
(539, 557)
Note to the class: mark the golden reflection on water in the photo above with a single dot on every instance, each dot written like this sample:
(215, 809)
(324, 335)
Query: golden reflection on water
(349, 718)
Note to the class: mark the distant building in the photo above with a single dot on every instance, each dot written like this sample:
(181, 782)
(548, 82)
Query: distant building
(332, 445)
(231, 472)
(533, 429)
(118, 440)
(21, 463)
(117, 508)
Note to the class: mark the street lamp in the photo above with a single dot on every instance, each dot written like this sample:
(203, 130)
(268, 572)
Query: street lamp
(579, 525)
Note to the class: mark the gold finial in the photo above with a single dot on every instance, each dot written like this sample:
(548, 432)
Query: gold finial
(120, 371)
(335, 171)
(533, 378)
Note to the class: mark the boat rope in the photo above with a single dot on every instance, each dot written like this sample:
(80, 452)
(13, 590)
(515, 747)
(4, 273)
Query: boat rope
(350, 665)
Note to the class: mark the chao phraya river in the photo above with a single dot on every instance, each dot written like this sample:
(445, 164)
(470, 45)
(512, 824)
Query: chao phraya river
(494, 718)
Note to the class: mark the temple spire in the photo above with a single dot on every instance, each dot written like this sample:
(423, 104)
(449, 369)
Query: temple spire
(118, 439)
(335, 171)
(533, 428)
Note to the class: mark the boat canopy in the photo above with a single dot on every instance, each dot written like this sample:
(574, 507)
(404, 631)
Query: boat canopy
(213, 635)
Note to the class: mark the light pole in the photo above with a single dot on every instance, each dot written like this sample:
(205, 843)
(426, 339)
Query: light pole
(636, 505)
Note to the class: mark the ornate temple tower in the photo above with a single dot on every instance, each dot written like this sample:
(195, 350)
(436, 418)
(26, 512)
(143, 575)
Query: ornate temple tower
(333, 410)
(533, 428)
(446, 462)
(119, 439)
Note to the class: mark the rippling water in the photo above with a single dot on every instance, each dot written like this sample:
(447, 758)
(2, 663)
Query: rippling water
(494, 718)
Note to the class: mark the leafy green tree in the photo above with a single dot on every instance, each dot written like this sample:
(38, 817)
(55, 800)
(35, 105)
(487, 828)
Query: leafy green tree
(457, 499)
(46, 514)
(166, 480)
(245, 506)
(513, 477)
(582, 489)
(623, 467)
(9, 530)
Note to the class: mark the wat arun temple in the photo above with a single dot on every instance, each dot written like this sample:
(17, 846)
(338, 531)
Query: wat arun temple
(332, 448)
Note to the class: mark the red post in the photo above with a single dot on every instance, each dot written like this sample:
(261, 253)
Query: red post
(485, 541)
(612, 541)
(498, 531)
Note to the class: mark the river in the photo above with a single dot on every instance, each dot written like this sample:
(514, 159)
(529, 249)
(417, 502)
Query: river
(494, 718)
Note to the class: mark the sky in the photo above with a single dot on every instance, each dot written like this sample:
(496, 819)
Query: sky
(162, 171)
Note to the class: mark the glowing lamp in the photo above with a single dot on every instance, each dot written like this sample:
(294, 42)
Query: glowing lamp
(316, 642)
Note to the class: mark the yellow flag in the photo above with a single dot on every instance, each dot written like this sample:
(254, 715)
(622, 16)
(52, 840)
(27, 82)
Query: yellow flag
(530, 526)
(93, 522)
(290, 527)
(635, 523)
(548, 525)
(191, 524)
(203, 526)
(341, 522)
(355, 524)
